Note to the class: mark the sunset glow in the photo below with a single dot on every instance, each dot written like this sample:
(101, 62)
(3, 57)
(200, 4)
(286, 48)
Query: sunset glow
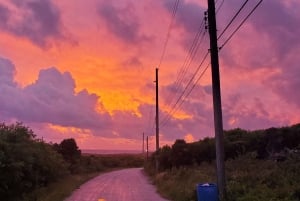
(86, 69)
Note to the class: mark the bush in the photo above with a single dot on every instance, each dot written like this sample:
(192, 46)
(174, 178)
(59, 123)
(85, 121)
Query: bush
(28, 163)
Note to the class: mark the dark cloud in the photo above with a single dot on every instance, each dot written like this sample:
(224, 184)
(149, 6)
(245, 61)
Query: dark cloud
(40, 21)
(247, 114)
(199, 123)
(197, 108)
(132, 63)
(7, 72)
(269, 39)
(189, 16)
(286, 84)
(281, 26)
(171, 92)
(122, 22)
(273, 30)
(51, 99)
(4, 15)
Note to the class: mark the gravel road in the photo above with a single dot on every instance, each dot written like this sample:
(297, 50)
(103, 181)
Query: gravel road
(122, 185)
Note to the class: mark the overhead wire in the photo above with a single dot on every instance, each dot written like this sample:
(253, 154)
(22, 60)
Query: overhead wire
(187, 62)
(234, 17)
(183, 71)
(191, 55)
(184, 95)
(174, 11)
(220, 6)
(171, 111)
(189, 92)
(241, 24)
(183, 99)
(192, 88)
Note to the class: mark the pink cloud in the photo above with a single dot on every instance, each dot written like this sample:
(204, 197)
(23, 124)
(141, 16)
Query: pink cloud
(51, 99)
(259, 67)
(122, 21)
(38, 21)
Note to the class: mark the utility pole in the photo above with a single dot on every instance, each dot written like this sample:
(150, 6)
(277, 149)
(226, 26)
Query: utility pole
(157, 121)
(143, 151)
(157, 110)
(147, 150)
(219, 138)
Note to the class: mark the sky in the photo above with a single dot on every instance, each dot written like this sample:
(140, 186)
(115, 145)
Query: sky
(86, 69)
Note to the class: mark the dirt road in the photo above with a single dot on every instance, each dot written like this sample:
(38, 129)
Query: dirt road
(122, 185)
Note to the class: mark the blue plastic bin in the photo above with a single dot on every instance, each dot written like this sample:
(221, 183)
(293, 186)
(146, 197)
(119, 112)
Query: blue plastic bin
(207, 192)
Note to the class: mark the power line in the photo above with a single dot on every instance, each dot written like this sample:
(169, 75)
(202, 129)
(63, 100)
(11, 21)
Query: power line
(186, 87)
(171, 112)
(234, 17)
(192, 55)
(188, 60)
(198, 80)
(220, 6)
(251, 12)
(174, 11)
(189, 92)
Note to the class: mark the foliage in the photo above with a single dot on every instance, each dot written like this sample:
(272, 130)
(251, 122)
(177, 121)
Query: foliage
(26, 163)
(60, 189)
(30, 168)
(272, 143)
(70, 152)
(260, 165)
(248, 179)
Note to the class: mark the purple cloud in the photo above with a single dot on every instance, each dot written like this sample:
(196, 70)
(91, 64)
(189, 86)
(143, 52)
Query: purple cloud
(40, 21)
(51, 99)
(7, 72)
(189, 14)
(122, 22)
(197, 106)
(4, 15)
(286, 84)
(273, 30)
(251, 114)
(280, 25)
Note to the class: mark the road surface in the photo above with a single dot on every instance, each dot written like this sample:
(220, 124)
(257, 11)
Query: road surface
(122, 185)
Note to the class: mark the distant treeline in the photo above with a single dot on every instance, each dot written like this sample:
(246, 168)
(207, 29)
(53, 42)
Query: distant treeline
(28, 163)
(272, 143)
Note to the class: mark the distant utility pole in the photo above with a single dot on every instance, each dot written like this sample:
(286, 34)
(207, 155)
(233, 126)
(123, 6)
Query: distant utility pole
(219, 138)
(157, 121)
(143, 151)
(147, 147)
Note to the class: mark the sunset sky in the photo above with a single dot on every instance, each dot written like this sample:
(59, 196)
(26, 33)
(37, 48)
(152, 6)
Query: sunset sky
(86, 68)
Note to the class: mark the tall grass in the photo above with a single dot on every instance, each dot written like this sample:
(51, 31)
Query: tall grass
(248, 179)
(60, 189)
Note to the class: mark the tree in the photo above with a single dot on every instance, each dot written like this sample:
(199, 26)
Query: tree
(164, 158)
(180, 155)
(70, 152)
(27, 162)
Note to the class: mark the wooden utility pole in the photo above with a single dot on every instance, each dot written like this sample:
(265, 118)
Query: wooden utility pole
(147, 150)
(157, 111)
(157, 122)
(143, 151)
(219, 138)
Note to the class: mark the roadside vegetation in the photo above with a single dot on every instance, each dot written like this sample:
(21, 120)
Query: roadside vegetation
(33, 170)
(260, 165)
